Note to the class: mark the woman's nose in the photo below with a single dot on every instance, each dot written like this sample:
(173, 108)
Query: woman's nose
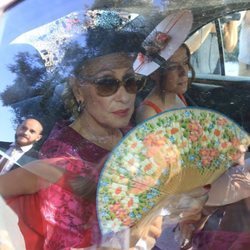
(122, 94)
(182, 70)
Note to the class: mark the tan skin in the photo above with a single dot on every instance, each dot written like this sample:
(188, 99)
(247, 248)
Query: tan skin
(28, 132)
(230, 36)
(175, 82)
(110, 114)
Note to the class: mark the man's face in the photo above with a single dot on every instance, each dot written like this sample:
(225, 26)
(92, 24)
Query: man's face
(28, 132)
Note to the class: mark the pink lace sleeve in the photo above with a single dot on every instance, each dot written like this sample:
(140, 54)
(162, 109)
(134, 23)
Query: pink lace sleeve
(70, 217)
(70, 159)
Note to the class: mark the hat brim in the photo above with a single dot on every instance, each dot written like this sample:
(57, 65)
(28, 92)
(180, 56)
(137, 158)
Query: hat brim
(171, 153)
(51, 39)
(176, 26)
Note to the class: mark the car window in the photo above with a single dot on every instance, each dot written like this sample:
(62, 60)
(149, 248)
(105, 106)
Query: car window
(236, 61)
(220, 47)
(41, 45)
(204, 47)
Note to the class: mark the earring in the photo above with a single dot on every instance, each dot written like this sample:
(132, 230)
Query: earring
(80, 106)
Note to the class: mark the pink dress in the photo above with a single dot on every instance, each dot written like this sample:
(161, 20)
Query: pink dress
(227, 228)
(70, 220)
(60, 219)
(221, 240)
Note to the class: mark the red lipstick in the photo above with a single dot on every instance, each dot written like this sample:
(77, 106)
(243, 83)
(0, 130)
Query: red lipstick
(121, 112)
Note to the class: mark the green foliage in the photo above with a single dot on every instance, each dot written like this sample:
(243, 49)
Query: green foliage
(30, 72)
(32, 91)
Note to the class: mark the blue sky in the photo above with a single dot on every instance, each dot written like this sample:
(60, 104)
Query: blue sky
(7, 129)
(6, 126)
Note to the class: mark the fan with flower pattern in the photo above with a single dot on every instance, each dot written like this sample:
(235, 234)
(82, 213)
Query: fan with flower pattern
(170, 153)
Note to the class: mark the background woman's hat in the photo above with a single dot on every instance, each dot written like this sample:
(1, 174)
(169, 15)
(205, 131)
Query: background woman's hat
(163, 41)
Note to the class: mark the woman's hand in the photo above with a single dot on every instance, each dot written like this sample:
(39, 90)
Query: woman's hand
(241, 159)
(153, 232)
(232, 186)
(191, 214)
(186, 229)
(144, 237)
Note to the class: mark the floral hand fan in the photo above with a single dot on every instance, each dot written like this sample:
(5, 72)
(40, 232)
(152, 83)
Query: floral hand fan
(170, 153)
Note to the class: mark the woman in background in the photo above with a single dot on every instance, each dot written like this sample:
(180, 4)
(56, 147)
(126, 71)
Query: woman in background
(171, 82)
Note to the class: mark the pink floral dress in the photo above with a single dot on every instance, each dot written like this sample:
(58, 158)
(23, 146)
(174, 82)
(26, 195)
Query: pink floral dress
(70, 220)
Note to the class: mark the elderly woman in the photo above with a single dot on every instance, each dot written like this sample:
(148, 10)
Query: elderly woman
(55, 197)
(100, 95)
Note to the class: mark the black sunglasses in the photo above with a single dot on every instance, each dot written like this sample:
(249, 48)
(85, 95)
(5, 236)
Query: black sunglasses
(108, 86)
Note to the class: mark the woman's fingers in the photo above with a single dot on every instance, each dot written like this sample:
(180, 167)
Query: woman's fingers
(154, 232)
(241, 156)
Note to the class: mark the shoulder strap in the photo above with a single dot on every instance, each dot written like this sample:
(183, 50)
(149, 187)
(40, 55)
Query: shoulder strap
(182, 97)
(152, 105)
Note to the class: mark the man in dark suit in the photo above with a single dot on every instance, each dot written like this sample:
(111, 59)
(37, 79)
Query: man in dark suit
(20, 152)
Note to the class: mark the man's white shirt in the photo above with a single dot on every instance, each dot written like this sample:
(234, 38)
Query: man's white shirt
(15, 153)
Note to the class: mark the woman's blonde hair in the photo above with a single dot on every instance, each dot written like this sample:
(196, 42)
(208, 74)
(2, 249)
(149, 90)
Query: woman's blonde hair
(82, 72)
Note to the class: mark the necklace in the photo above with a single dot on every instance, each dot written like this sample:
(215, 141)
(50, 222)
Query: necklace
(106, 141)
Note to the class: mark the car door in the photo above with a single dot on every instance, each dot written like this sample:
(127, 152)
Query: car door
(218, 84)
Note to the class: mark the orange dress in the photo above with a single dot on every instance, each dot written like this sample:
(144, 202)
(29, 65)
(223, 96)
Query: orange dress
(158, 109)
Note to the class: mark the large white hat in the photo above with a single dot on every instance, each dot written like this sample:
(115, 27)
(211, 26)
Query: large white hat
(163, 41)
